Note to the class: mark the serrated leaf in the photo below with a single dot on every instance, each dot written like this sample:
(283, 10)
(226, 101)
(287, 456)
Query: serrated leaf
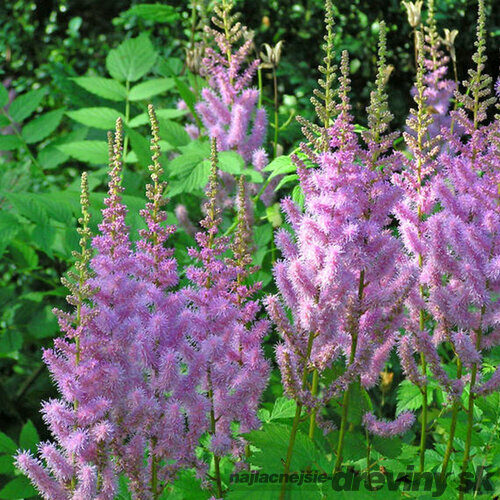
(190, 172)
(4, 96)
(154, 12)
(102, 87)
(51, 157)
(253, 175)
(23, 255)
(10, 142)
(7, 445)
(29, 206)
(173, 133)
(25, 105)
(167, 114)
(9, 226)
(132, 59)
(231, 162)
(283, 408)
(42, 126)
(286, 180)
(100, 117)
(95, 152)
(188, 97)
(388, 447)
(273, 440)
(148, 89)
(409, 397)
(18, 488)
(140, 145)
(28, 439)
(279, 166)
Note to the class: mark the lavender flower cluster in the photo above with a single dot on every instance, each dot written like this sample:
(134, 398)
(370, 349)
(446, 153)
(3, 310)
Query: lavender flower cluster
(145, 370)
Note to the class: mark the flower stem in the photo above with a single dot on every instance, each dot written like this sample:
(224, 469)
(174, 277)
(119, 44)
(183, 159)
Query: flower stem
(345, 401)
(296, 421)
(451, 437)
(423, 431)
(276, 117)
(470, 414)
(314, 391)
(218, 481)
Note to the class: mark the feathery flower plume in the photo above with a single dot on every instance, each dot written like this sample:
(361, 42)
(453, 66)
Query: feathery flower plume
(343, 277)
(220, 323)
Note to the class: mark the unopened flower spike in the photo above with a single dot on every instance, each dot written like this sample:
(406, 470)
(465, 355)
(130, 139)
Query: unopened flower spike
(324, 97)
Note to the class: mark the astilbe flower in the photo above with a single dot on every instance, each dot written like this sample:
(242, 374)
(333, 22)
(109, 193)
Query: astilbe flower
(343, 276)
(463, 271)
(220, 323)
(120, 356)
(438, 90)
(412, 211)
(229, 107)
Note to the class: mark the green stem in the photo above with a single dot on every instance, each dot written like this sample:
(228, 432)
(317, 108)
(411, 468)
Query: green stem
(154, 471)
(345, 401)
(276, 117)
(127, 119)
(296, 421)
(218, 481)
(368, 459)
(314, 391)
(470, 414)
(423, 431)
(451, 437)
(259, 78)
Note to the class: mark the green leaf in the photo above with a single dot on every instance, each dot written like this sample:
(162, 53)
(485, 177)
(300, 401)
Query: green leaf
(7, 445)
(10, 142)
(4, 96)
(51, 157)
(167, 114)
(154, 12)
(173, 133)
(191, 173)
(145, 90)
(6, 465)
(28, 439)
(9, 226)
(25, 105)
(188, 97)
(10, 343)
(23, 255)
(286, 180)
(231, 162)
(4, 121)
(298, 196)
(95, 152)
(102, 87)
(273, 215)
(280, 165)
(283, 408)
(140, 145)
(18, 488)
(132, 59)
(42, 126)
(409, 397)
(29, 206)
(43, 237)
(273, 440)
(388, 447)
(100, 117)
(252, 175)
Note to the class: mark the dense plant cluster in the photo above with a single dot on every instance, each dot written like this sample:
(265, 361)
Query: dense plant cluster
(217, 339)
